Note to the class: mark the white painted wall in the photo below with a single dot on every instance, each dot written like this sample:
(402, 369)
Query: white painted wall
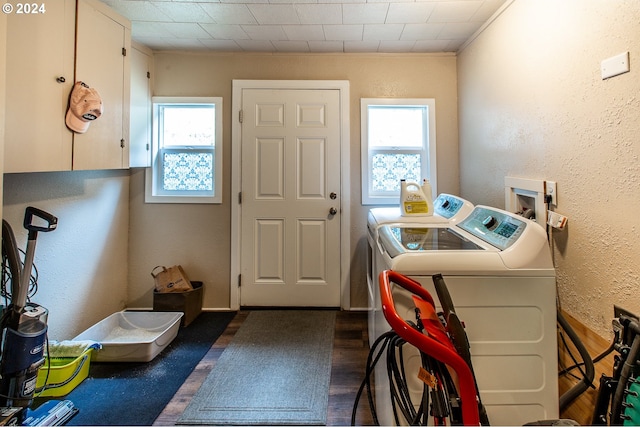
(82, 265)
(532, 104)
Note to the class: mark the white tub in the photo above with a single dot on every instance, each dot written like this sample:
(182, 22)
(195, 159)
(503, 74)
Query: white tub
(132, 336)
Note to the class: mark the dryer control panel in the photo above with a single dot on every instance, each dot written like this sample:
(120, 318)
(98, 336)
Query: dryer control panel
(496, 227)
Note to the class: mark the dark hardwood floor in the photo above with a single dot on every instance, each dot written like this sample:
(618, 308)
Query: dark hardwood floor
(350, 350)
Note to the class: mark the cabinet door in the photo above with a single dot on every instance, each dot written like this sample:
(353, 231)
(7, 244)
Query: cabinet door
(140, 128)
(103, 40)
(40, 49)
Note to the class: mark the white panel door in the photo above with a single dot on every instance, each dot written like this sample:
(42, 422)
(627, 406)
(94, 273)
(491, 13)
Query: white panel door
(290, 243)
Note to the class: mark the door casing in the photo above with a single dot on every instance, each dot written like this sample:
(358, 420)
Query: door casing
(236, 173)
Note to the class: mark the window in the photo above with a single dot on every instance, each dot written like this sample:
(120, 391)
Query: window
(186, 162)
(398, 142)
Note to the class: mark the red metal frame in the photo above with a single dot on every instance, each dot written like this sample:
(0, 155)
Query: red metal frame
(428, 343)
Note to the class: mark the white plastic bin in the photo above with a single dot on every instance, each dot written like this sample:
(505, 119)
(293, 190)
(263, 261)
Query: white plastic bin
(132, 336)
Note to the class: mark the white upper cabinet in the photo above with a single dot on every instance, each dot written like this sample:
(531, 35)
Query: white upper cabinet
(39, 76)
(45, 56)
(103, 43)
(140, 126)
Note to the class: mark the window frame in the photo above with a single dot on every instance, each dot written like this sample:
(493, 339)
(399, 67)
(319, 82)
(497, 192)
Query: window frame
(427, 151)
(153, 174)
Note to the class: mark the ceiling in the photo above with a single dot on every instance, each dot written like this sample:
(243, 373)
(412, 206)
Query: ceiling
(351, 26)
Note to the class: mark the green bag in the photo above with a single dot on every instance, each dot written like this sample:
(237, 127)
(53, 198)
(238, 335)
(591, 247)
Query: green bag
(631, 404)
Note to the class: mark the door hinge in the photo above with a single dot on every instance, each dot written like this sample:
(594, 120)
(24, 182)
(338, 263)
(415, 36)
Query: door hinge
(240, 116)
(122, 143)
(124, 51)
(148, 147)
(239, 280)
(148, 75)
(240, 198)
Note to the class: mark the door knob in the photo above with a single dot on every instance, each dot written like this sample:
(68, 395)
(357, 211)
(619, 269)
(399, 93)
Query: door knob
(333, 211)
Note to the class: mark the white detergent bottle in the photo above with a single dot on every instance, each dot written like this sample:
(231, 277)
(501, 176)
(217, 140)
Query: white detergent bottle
(413, 201)
(428, 193)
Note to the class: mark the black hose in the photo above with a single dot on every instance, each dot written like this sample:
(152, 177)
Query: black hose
(372, 360)
(390, 343)
(609, 349)
(598, 358)
(589, 374)
(10, 251)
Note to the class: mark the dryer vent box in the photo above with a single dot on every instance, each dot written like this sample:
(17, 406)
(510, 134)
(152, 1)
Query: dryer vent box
(525, 197)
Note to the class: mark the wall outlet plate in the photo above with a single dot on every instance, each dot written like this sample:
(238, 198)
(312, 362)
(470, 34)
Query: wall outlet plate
(550, 189)
(615, 65)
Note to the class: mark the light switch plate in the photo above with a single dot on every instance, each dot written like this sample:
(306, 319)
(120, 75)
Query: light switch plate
(615, 65)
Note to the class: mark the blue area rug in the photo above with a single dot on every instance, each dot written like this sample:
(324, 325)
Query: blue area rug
(136, 393)
(276, 371)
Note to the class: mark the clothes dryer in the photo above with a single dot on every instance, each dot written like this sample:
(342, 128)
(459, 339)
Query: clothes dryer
(499, 272)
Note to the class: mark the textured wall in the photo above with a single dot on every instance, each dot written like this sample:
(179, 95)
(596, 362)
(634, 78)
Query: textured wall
(533, 105)
(165, 234)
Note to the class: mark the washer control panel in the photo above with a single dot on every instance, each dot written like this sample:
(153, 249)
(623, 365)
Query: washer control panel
(496, 227)
(447, 205)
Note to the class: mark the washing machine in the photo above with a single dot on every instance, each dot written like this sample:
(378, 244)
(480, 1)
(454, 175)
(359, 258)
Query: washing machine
(447, 208)
(498, 269)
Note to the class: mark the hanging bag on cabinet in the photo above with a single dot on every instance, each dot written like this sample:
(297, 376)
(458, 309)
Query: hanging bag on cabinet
(172, 279)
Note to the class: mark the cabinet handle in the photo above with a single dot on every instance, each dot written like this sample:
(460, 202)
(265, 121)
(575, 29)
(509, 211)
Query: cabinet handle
(61, 79)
